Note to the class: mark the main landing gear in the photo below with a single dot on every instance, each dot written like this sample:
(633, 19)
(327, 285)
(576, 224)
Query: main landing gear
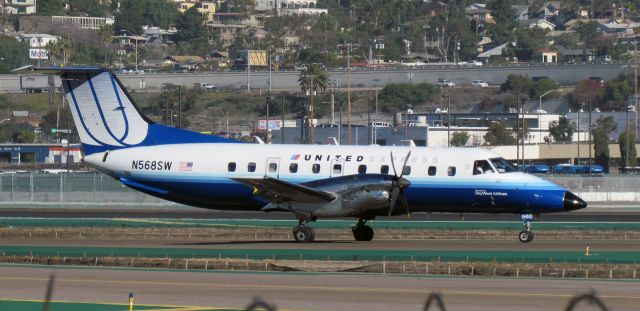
(362, 232)
(303, 234)
(526, 236)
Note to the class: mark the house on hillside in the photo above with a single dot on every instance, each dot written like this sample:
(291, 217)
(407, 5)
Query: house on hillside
(549, 9)
(38, 40)
(537, 23)
(299, 7)
(22, 7)
(478, 12)
(618, 29)
(575, 55)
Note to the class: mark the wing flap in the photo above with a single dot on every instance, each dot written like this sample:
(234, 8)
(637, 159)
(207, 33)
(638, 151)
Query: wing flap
(281, 191)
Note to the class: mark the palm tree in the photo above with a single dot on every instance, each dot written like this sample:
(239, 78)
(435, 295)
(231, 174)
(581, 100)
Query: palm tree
(311, 80)
(106, 36)
(60, 49)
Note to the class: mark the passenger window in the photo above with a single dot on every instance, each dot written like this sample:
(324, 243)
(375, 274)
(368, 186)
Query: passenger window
(362, 169)
(337, 168)
(315, 168)
(273, 167)
(293, 168)
(481, 167)
(384, 169)
(231, 167)
(406, 171)
(251, 167)
(451, 171)
(431, 171)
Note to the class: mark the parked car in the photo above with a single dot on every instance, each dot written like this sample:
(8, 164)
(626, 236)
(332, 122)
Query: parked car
(604, 59)
(445, 83)
(538, 168)
(479, 83)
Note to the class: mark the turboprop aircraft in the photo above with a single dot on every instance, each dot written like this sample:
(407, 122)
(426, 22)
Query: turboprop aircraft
(309, 181)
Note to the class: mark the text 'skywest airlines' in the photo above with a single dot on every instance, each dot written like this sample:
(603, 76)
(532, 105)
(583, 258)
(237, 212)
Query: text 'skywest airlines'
(310, 181)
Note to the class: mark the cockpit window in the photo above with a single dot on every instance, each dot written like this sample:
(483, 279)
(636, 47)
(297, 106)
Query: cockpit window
(482, 167)
(503, 166)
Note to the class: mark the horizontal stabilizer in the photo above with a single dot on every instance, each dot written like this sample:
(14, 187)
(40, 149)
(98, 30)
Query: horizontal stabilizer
(280, 191)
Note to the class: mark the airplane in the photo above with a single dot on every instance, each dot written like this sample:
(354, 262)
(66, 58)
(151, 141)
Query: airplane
(309, 181)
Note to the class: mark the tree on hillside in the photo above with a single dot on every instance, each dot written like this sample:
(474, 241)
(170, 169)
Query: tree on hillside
(136, 13)
(562, 130)
(498, 135)
(396, 96)
(50, 7)
(13, 54)
(505, 17)
(588, 32)
(191, 30)
(311, 80)
(628, 152)
(601, 132)
(517, 84)
(459, 139)
(106, 37)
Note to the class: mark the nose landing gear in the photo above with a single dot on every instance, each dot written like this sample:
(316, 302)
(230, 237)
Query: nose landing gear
(526, 236)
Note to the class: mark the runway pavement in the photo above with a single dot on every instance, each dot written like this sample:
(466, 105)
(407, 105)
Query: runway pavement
(621, 213)
(305, 291)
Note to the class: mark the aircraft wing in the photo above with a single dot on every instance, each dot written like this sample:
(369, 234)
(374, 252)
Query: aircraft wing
(276, 190)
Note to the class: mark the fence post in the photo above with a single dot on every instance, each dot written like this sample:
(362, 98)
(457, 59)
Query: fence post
(31, 187)
(61, 189)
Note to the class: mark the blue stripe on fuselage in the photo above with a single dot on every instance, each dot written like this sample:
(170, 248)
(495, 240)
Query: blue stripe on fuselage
(423, 194)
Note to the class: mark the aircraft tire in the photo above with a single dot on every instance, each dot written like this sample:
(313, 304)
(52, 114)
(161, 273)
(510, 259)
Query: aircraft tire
(303, 234)
(525, 236)
(363, 233)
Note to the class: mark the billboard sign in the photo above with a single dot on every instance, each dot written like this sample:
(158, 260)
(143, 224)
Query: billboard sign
(38, 54)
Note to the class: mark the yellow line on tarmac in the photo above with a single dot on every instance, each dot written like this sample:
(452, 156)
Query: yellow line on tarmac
(325, 288)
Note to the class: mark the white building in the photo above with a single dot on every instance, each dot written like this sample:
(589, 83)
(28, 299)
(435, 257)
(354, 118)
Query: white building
(38, 40)
(298, 7)
(19, 6)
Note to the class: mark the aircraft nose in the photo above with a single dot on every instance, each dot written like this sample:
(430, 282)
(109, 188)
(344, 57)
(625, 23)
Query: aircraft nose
(573, 202)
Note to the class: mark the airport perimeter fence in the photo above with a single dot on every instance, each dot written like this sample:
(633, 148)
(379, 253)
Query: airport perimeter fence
(99, 188)
(93, 188)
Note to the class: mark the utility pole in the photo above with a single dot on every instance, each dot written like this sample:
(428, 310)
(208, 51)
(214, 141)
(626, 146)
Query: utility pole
(448, 120)
(589, 134)
(267, 119)
(179, 107)
(349, 90)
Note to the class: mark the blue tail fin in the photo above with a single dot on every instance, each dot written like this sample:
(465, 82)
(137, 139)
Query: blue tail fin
(107, 118)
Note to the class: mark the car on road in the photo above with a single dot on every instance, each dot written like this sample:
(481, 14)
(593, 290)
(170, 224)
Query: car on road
(479, 83)
(206, 86)
(597, 79)
(445, 83)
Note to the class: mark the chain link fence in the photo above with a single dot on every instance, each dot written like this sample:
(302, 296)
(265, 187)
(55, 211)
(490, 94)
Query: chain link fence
(67, 188)
(100, 188)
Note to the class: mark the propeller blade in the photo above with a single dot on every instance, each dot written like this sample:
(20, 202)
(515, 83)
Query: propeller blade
(395, 193)
(405, 163)
(403, 202)
(393, 165)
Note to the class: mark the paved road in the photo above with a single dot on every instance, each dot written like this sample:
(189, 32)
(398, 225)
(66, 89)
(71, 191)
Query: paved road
(307, 291)
(563, 74)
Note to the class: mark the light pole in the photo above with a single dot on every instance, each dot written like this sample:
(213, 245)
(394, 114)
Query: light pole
(539, 112)
(448, 120)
